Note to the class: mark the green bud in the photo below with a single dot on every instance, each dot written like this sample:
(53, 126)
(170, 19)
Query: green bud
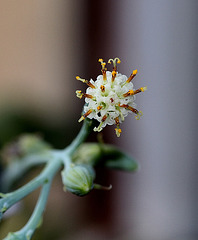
(87, 153)
(31, 143)
(26, 144)
(78, 179)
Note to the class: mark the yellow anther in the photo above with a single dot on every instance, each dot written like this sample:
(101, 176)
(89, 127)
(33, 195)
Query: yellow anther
(129, 93)
(99, 108)
(113, 75)
(118, 132)
(102, 87)
(81, 79)
(85, 81)
(135, 72)
(131, 76)
(102, 63)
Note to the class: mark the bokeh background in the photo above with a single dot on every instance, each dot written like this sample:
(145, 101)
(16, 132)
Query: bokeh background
(43, 46)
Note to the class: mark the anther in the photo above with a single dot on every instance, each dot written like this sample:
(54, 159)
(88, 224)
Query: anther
(113, 75)
(129, 93)
(133, 74)
(99, 108)
(118, 131)
(102, 87)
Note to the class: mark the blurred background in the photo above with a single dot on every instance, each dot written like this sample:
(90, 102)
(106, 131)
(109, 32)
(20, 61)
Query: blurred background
(43, 46)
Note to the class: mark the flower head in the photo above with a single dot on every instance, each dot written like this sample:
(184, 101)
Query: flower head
(110, 98)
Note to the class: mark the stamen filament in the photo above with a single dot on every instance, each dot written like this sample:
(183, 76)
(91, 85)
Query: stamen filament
(99, 128)
(130, 108)
(131, 92)
(103, 64)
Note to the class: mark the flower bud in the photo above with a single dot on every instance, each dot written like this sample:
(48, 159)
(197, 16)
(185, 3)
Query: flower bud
(78, 179)
(13, 236)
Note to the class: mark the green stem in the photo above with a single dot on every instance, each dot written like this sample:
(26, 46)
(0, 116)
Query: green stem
(81, 137)
(28, 230)
(49, 171)
(17, 169)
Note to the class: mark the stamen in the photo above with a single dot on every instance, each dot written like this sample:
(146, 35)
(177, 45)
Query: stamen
(85, 115)
(87, 95)
(133, 74)
(99, 108)
(118, 130)
(103, 64)
(131, 92)
(79, 94)
(130, 108)
(102, 87)
(85, 81)
(99, 128)
(114, 62)
(138, 116)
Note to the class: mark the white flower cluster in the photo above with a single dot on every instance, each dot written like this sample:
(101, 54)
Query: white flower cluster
(110, 98)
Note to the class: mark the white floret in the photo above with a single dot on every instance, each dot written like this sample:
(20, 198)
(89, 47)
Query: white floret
(110, 99)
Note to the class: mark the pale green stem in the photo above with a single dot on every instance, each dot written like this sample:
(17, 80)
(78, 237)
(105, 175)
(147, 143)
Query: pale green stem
(59, 157)
(49, 171)
(27, 231)
(17, 168)
(80, 138)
